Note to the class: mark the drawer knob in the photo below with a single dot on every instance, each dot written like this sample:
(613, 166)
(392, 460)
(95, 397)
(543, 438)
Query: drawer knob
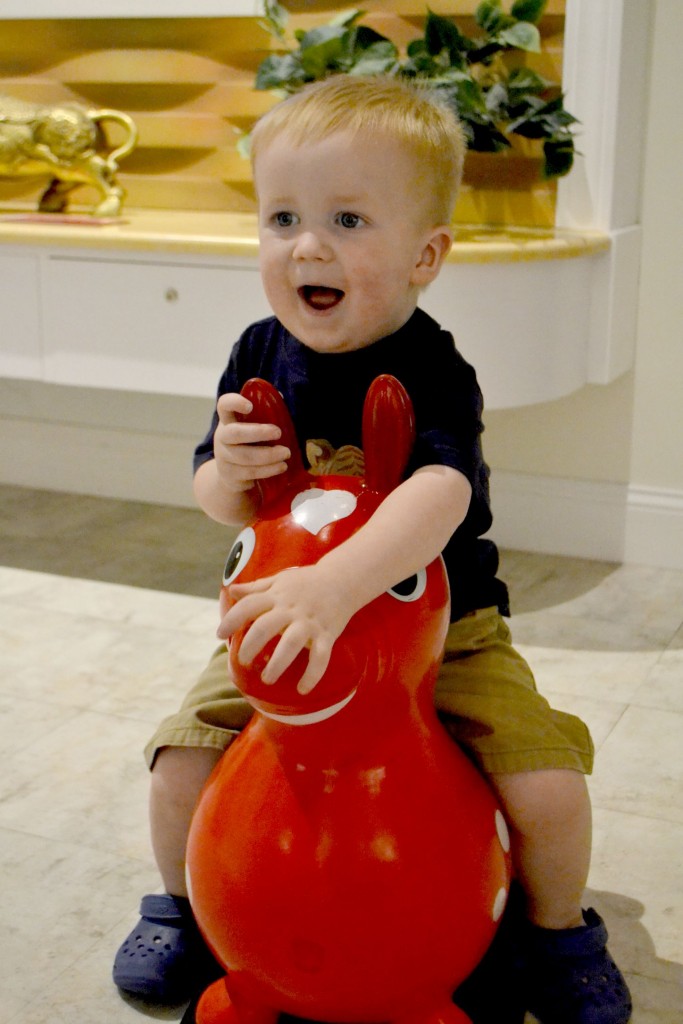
(171, 295)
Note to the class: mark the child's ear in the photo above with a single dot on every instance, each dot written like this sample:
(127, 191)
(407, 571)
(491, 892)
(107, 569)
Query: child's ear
(436, 247)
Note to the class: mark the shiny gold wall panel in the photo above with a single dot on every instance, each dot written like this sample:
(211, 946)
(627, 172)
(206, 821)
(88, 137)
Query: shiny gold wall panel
(188, 84)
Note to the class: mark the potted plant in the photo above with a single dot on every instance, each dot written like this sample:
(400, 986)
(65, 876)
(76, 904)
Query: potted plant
(498, 99)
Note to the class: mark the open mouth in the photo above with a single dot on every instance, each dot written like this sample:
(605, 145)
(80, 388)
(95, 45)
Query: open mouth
(320, 298)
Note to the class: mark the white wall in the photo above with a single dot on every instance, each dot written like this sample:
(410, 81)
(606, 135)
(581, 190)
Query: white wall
(110, 443)
(625, 440)
(655, 522)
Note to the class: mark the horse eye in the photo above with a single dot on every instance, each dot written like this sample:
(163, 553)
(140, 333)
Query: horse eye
(240, 553)
(410, 589)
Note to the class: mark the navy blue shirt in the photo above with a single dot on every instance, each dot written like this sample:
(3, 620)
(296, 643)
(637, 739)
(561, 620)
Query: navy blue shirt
(324, 393)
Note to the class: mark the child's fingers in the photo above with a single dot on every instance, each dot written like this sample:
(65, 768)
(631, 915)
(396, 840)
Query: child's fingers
(229, 404)
(291, 644)
(238, 590)
(292, 641)
(318, 660)
(232, 430)
(248, 609)
(259, 457)
(249, 433)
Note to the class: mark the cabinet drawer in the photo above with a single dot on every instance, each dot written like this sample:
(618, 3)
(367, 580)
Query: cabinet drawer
(137, 326)
(20, 347)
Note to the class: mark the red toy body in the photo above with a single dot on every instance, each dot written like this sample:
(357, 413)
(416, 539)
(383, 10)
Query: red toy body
(346, 861)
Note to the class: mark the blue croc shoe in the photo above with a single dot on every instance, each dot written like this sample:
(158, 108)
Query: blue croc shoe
(572, 979)
(164, 959)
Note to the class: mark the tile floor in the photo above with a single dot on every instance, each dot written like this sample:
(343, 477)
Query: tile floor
(107, 611)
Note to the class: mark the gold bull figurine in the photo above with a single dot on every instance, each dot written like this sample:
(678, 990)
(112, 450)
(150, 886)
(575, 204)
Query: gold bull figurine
(64, 142)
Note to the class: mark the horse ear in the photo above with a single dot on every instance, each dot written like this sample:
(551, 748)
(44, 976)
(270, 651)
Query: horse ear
(269, 407)
(388, 433)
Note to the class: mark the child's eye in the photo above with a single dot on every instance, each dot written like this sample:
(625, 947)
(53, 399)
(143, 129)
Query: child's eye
(349, 220)
(284, 219)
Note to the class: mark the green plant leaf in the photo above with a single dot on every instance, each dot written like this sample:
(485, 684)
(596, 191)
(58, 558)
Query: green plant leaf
(419, 61)
(321, 48)
(416, 47)
(280, 72)
(442, 34)
(378, 59)
(549, 121)
(276, 18)
(559, 121)
(523, 36)
(243, 145)
(465, 95)
(524, 80)
(496, 99)
(364, 36)
(554, 110)
(345, 19)
(527, 128)
(489, 16)
(538, 119)
(322, 35)
(492, 105)
(559, 158)
(485, 138)
(528, 10)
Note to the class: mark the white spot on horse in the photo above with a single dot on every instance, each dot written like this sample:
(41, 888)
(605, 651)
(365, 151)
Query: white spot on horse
(373, 780)
(315, 508)
(383, 847)
(499, 903)
(502, 830)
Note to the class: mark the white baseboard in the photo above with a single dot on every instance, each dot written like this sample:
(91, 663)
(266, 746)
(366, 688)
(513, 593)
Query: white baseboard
(585, 519)
(125, 463)
(551, 515)
(654, 527)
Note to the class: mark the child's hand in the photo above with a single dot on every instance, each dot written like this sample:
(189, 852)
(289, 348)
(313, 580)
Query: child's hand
(301, 605)
(244, 452)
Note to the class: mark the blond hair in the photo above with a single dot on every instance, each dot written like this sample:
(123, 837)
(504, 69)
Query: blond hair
(407, 113)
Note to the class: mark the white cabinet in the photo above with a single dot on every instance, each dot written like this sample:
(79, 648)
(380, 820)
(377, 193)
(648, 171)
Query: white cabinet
(137, 322)
(155, 305)
(20, 343)
(136, 325)
(532, 343)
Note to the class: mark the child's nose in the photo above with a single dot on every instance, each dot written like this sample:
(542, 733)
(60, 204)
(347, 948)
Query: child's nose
(310, 245)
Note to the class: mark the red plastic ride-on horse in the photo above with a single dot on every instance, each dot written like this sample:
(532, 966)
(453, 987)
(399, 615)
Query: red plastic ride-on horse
(346, 862)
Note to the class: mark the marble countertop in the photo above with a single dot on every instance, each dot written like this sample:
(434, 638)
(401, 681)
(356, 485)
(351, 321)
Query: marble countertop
(210, 233)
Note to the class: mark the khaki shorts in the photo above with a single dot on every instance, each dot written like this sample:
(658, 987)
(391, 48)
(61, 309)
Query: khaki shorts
(485, 696)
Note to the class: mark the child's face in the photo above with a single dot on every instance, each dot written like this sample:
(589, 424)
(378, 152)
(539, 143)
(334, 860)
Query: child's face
(344, 249)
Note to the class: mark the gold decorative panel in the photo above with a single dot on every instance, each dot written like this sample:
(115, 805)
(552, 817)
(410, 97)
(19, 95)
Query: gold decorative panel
(188, 84)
